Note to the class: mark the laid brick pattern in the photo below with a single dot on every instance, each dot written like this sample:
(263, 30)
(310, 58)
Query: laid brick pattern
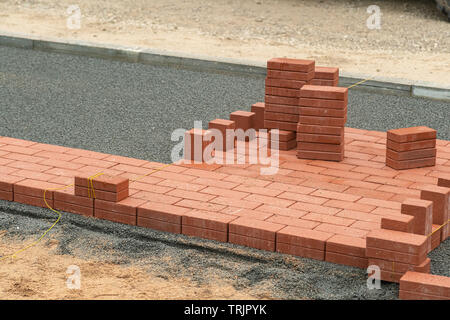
(346, 200)
(421, 286)
(409, 148)
(284, 79)
(325, 76)
(320, 130)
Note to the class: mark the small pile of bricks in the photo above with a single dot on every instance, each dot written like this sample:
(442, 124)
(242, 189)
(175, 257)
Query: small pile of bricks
(409, 148)
(325, 76)
(396, 252)
(420, 286)
(284, 79)
(320, 130)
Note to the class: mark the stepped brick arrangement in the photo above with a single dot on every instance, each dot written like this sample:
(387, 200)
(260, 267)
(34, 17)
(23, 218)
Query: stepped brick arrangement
(284, 79)
(320, 130)
(420, 286)
(258, 109)
(409, 148)
(195, 142)
(325, 76)
(223, 125)
(396, 252)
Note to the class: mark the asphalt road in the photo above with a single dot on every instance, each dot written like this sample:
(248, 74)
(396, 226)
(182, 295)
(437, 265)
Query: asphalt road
(131, 110)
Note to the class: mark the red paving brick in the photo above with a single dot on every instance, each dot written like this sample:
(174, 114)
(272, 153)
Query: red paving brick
(347, 200)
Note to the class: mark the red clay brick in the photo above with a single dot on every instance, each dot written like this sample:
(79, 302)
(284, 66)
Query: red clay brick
(329, 73)
(395, 256)
(115, 216)
(320, 147)
(301, 237)
(323, 112)
(410, 146)
(6, 195)
(324, 130)
(162, 212)
(380, 203)
(33, 201)
(407, 295)
(282, 125)
(102, 195)
(289, 64)
(74, 208)
(254, 229)
(323, 103)
(410, 164)
(7, 182)
(159, 225)
(290, 75)
(397, 241)
(281, 108)
(251, 242)
(126, 206)
(426, 284)
(35, 188)
(323, 92)
(275, 116)
(353, 261)
(269, 200)
(349, 206)
(317, 138)
(67, 195)
(258, 109)
(403, 223)
(282, 92)
(342, 230)
(399, 267)
(323, 121)
(291, 101)
(317, 155)
(324, 82)
(301, 251)
(411, 134)
(422, 211)
(350, 246)
(28, 166)
(444, 182)
(288, 212)
(411, 155)
(440, 197)
(19, 149)
(207, 220)
(335, 195)
(204, 233)
(325, 218)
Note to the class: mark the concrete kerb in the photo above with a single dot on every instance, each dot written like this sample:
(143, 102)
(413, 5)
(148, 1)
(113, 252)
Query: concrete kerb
(205, 63)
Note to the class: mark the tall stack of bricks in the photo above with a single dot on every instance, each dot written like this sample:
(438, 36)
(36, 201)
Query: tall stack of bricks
(420, 286)
(284, 79)
(325, 76)
(320, 130)
(409, 148)
(396, 253)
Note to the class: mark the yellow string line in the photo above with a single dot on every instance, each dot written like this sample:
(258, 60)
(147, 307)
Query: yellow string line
(360, 82)
(91, 185)
(59, 213)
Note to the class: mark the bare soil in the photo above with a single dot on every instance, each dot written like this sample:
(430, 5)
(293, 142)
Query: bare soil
(413, 42)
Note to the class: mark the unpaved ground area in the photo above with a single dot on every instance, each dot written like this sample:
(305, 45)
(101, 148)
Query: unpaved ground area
(413, 42)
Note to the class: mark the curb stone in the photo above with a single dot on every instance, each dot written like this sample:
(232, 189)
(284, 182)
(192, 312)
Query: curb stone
(205, 63)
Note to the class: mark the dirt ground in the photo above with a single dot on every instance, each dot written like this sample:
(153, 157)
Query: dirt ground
(413, 41)
(39, 273)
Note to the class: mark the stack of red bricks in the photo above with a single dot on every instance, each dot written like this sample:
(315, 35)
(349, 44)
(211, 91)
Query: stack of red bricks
(397, 252)
(325, 76)
(284, 79)
(105, 195)
(420, 286)
(409, 148)
(320, 130)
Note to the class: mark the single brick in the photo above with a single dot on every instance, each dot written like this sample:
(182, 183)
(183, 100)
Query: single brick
(195, 143)
(346, 245)
(126, 206)
(115, 216)
(289, 64)
(290, 75)
(281, 116)
(159, 225)
(205, 233)
(402, 222)
(317, 129)
(74, 208)
(324, 82)
(399, 267)
(410, 164)
(444, 182)
(283, 135)
(284, 83)
(251, 242)
(317, 155)
(321, 147)
(303, 237)
(397, 241)
(255, 229)
(411, 155)
(328, 73)
(269, 99)
(68, 195)
(282, 92)
(282, 125)
(243, 119)
(207, 220)
(422, 211)
(7, 181)
(411, 134)
(323, 92)
(258, 109)
(319, 138)
(281, 108)
(348, 260)
(6, 195)
(300, 251)
(323, 121)
(323, 103)
(396, 256)
(162, 212)
(101, 195)
(440, 197)
(322, 112)
(410, 146)
(33, 201)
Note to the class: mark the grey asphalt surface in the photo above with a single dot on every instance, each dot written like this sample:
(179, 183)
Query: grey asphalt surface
(131, 110)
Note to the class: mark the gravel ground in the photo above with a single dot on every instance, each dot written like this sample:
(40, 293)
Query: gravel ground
(131, 109)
